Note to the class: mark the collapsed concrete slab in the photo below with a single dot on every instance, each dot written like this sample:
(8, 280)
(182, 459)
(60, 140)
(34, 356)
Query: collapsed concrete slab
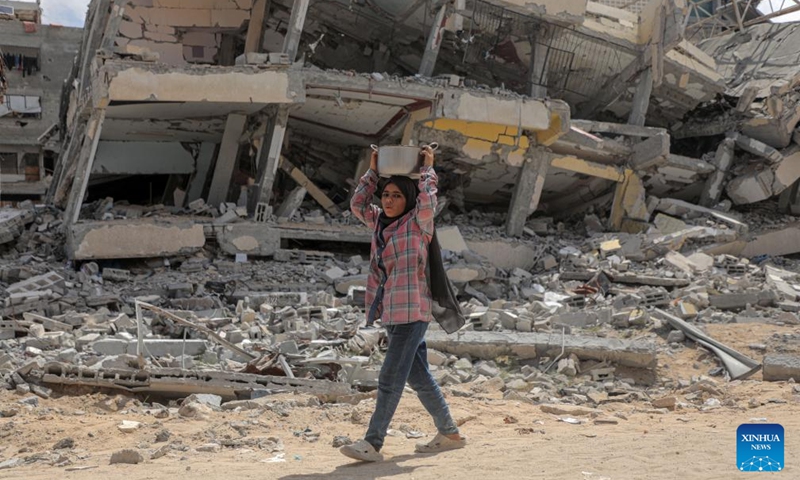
(12, 222)
(779, 242)
(751, 188)
(129, 239)
(253, 239)
(177, 383)
(505, 255)
(490, 345)
(788, 172)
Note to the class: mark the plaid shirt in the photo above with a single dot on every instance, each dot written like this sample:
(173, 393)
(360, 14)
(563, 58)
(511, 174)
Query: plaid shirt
(401, 294)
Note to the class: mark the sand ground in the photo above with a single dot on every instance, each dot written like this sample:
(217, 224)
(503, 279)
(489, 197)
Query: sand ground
(508, 439)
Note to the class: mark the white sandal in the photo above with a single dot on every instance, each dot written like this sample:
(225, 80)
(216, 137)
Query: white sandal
(441, 443)
(362, 450)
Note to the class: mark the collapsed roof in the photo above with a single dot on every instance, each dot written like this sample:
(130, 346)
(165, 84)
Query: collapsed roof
(553, 107)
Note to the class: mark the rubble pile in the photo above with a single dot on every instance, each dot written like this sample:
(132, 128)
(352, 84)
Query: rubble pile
(604, 220)
(583, 319)
(300, 315)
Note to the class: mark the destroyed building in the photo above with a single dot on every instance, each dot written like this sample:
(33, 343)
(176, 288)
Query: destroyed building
(197, 107)
(611, 175)
(36, 60)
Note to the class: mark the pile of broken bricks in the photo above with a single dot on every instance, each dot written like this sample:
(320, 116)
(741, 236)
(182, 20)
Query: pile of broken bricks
(589, 306)
(583, 327)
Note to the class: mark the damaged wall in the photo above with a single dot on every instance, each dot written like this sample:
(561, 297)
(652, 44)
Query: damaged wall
(180, 31)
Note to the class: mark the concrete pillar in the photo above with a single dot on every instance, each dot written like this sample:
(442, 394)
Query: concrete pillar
(270, 154)
(226, 57)
(64, 171)
(83, 169)
(641, 99)
(291, 203)
(204, 159)
(298, 19)
(435, 37)
(226, 160)
(255, 30)
(112, 25)
(630, 202)
(714, 183)
(538, 70)
(528, 190)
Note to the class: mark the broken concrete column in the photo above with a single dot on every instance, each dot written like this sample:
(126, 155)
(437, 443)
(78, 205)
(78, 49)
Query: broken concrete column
(651, 152)
(255, 29)
(751, 188)
(270, 154)
(675, 207)
(789, 201)
(490, 345)
(641, 99)
(435, 37)
(84, 164)
(629, 202)
(295, 28)
(756, 148)
(788, 171)
(226, 160)
(528, 190)
(291, 203)
(775, 243)
(205, 159)
(714, 184)
(538, 66)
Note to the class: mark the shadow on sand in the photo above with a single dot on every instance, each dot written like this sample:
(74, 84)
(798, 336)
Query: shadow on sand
(364, 470)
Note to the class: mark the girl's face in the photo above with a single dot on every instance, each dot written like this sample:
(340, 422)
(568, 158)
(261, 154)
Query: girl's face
(393, 201)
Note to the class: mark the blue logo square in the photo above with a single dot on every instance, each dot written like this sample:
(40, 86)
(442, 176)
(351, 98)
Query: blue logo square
(759, 447)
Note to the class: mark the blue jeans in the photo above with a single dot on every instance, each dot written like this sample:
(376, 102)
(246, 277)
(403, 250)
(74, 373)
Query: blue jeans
(407, 360)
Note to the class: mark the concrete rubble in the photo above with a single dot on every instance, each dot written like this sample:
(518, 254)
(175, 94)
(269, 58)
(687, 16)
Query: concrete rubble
(194, 248)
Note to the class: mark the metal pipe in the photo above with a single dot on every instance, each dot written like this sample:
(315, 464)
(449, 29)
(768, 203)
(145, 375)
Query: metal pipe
(779, 13)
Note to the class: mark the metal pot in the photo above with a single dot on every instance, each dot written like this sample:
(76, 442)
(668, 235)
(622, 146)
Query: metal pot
(400, 160)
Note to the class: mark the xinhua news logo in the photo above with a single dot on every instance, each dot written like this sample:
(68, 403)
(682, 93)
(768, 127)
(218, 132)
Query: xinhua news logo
(759, 447)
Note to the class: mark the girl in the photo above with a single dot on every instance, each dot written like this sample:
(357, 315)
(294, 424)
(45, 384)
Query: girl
(399, 295)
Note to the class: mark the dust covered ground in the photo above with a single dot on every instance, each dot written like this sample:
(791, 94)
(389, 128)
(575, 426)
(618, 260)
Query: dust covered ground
(290, 436)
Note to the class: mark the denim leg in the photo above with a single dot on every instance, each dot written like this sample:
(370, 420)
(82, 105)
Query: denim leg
(403, 343)
(421, 380)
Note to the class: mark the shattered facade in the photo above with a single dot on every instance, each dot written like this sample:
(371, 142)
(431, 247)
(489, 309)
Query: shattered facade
(610, 179)
(250, 107)
(36, 60)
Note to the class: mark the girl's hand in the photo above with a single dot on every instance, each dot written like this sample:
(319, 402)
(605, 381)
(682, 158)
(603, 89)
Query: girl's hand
(373, 162)
(427, 152)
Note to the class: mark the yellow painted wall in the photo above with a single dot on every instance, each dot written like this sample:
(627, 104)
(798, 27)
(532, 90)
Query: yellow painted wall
(483, 138)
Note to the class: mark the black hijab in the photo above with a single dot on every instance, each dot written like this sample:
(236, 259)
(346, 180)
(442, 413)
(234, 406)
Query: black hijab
(409, 189)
